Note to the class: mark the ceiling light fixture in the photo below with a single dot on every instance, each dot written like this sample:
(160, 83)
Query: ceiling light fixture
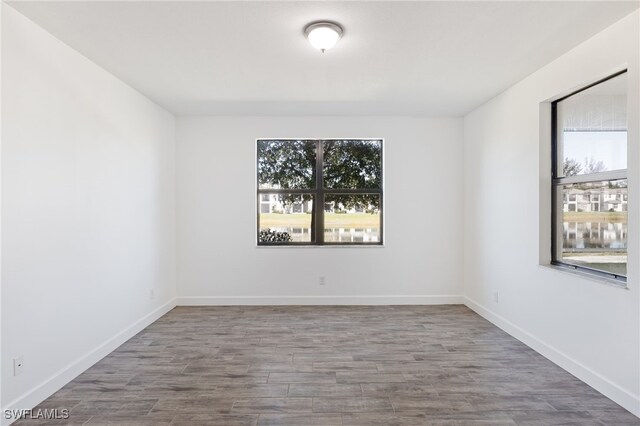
(323, 35)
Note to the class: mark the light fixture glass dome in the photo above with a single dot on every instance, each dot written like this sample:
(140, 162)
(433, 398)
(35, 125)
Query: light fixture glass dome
(323, 35)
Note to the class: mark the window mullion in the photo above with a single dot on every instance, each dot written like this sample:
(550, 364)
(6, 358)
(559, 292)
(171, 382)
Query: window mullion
(319, 201)
(352, 191)
(592, 177)
(284, 191)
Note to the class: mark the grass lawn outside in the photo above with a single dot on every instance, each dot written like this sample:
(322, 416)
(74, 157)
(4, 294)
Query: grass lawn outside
(331, 220)
(602, 217)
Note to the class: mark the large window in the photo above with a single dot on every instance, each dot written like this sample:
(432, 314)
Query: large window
(590, 179)
(319, 192)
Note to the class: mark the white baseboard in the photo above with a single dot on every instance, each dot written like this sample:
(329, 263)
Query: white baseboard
(54, 383)
(603, 385)
(319, 300)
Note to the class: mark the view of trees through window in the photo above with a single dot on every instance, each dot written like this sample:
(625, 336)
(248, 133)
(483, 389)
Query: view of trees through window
(319, 191)
(590, 179)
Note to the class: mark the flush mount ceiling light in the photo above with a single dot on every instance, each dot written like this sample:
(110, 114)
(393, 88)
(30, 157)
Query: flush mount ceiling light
(323, 35)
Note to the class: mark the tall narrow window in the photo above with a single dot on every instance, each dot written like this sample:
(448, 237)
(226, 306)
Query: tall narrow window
(319, 192)
(590, 179)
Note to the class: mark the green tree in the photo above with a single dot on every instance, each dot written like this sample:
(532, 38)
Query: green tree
(353, 164)
(286, 164)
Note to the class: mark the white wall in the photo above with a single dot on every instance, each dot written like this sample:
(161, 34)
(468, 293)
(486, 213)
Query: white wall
(590, 328)
(1, 359)
(218, 261)
(88, 211)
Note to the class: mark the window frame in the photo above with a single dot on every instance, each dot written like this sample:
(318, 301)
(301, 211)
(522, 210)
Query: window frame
(557, 183)
(318, 194)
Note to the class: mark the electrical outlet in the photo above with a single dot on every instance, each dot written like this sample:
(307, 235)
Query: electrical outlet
(18, 366)
(322, 280)
(152, 294)
(496, 296)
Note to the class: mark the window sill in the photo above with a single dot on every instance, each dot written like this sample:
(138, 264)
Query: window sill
(611, 282)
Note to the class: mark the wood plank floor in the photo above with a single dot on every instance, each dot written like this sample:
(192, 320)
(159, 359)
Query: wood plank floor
(328, 365)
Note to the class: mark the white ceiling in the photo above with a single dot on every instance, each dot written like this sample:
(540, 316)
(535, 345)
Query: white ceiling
(250, 58)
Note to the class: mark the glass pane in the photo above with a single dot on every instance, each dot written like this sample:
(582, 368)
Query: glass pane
(593, 225)
(285, 218)
(352, 218)
(286, 164)
(352, 164)
(592, 129)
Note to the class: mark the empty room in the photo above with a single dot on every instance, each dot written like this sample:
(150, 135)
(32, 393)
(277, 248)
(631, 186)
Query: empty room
(368, 213)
